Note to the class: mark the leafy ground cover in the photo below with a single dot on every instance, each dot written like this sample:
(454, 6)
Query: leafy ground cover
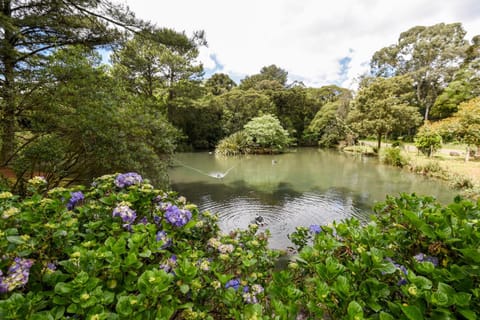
(121, 249)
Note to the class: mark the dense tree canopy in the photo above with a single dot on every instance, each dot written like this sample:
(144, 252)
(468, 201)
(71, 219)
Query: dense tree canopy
(32, 30)
(88, 125)
(270, 76)
(219, 83)
(430, 55)
(382, 107)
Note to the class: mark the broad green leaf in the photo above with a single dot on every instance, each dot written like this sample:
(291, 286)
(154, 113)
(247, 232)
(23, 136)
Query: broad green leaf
(354, 310)
(412, 312)
(385, 316)
(124, 306)
(462, 299)
(468, 314)
(63, 288)
(386, 267)
(15, 239)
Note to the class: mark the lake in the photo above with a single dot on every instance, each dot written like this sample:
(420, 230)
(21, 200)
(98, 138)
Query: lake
(308, 186)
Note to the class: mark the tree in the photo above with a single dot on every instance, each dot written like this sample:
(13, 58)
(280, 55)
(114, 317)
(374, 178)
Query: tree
(161, 68)
(88, 126)
(240, 106)
(219, 83)
(329, 126)
(336, 101)
(272, 73)
(465, 85)
(430, 55)
(265, 133)
(382, 106)
(30, 32)
(466, 121)
(427, 140)
(153, 64)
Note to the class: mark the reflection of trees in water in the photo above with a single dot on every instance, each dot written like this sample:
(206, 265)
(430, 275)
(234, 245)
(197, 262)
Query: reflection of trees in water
(237, 189)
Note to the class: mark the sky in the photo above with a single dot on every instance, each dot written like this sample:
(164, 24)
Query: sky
(317, 42)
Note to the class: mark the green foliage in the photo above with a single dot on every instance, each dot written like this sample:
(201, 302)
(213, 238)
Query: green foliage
(86, 125)
(233, 145)
(382, 106)
(263, 134)
(430, 55)
(219, 83)
(90, 261)
(271, 77)
(428, 141)
(31, 32)
(431, 169)
(71, 254)
(414, 260)
(393, 156)
(240, 106)
(329, 126)
(266, 132)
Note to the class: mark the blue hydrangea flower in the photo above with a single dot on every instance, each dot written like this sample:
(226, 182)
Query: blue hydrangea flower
(169, 264)
(17, 276)
(128, 215)
(421, 257)
(75, 198)
(251, 297)
(176, 216)
(234, 283)
(127, 179)
(402, 269)
(315, 229)
(162, 236)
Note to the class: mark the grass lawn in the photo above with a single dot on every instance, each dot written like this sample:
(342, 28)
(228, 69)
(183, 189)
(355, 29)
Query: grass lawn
(455, 165)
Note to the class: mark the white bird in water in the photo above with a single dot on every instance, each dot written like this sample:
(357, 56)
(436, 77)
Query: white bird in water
(220, 175)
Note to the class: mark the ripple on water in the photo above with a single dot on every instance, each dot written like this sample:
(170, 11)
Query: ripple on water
(281, 219)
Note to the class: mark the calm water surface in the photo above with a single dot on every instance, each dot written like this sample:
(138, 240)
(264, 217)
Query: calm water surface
(309, 186)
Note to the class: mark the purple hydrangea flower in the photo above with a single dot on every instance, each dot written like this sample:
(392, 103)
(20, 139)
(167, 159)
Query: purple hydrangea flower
(162, 236)
(400, 267)
(176, 216)
(421, 257)
(51, 266)
(315, 228)
(3, 285)
(157, 219)
(170, 264)
(127, 179)
(128, 215)
(75, 198)
(234, 283)
(18, 274)
(251, 297)
(144, 220)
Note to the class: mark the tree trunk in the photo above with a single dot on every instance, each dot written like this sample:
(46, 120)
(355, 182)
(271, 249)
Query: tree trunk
(467, 155)
(379, 141)
(8, 92)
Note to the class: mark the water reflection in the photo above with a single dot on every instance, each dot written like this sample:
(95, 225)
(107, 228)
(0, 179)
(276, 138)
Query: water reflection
(307, 187)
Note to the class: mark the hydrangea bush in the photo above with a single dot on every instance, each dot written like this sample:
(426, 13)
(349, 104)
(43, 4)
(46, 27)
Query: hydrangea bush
(122, 249)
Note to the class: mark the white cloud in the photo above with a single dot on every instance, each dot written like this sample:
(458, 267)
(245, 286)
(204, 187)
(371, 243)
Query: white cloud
(305, 37)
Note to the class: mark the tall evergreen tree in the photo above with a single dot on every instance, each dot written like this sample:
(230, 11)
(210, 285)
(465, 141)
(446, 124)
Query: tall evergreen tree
(31, 31)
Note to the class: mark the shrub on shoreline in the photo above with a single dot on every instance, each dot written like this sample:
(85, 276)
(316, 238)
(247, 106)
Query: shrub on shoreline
(261, 135)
